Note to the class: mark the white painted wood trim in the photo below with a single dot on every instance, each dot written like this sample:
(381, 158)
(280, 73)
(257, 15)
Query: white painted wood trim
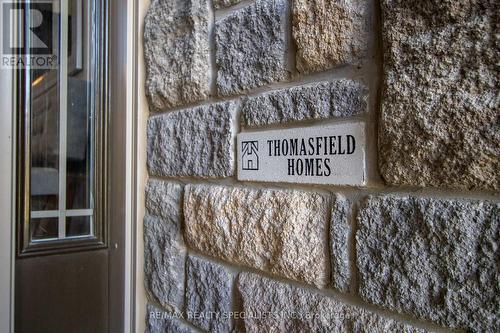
(7, 175)
(131, 170)
(141, 171)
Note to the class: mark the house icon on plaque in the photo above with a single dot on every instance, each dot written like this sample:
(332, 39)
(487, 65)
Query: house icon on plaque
(250, 156)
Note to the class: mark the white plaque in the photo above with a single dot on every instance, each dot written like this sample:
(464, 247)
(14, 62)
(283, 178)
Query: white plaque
(333, 154)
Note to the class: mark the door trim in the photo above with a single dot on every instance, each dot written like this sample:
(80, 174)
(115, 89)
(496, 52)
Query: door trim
(122, 70)
(122, 240)
(7, 174)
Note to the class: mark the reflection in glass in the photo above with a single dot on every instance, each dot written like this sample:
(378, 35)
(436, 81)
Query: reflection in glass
(44, 140)
(77, 226)
(44, 228)
(79, 163)
(62, 126)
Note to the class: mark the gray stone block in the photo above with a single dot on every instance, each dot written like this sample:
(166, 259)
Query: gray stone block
(282, 232)
(163, 200)
(321, 100)
(160, 321)
(271, 306)
(209, 295)
(251, 47)
(194, 142)
(176, 52)
(164, 252)
(339, 238)
(225, 3)
(440, 102)
(432, 258)
(329, 33)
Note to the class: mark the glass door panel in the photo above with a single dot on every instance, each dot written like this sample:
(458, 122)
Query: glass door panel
(65, 125)
(44, 86)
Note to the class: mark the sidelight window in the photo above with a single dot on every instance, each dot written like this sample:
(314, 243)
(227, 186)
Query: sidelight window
(62, 128)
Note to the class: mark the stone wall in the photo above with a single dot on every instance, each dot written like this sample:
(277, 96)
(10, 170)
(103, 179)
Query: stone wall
(413, 250)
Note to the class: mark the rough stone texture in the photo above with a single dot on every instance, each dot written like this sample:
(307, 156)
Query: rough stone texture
(225, 3)
(435, 259)
(159, 321)
(291, 309)
(283, 232)
(440, 115)
(208, 295)
(193, 142)
(340, 98)
(164, 252)
(329, 33)
(339, 238)
(251, 47)
(176, 52)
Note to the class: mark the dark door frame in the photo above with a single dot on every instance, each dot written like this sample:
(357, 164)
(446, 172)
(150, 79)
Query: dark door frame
(122, 128)
(123, 115)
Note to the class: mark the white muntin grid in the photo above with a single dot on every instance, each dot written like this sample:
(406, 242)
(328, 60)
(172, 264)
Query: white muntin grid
(62, 213)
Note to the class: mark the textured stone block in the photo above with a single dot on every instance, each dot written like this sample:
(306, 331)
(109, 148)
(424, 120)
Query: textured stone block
(159, 321)
(339, 238)
(225, 3)
(435, 259)
(290, 309)
(251, 47)
(329, 33)
(440, 104)
(340, 98)
(176, 52)
(193, 142)
(208, 295)
(164, 252)
(283, 232)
